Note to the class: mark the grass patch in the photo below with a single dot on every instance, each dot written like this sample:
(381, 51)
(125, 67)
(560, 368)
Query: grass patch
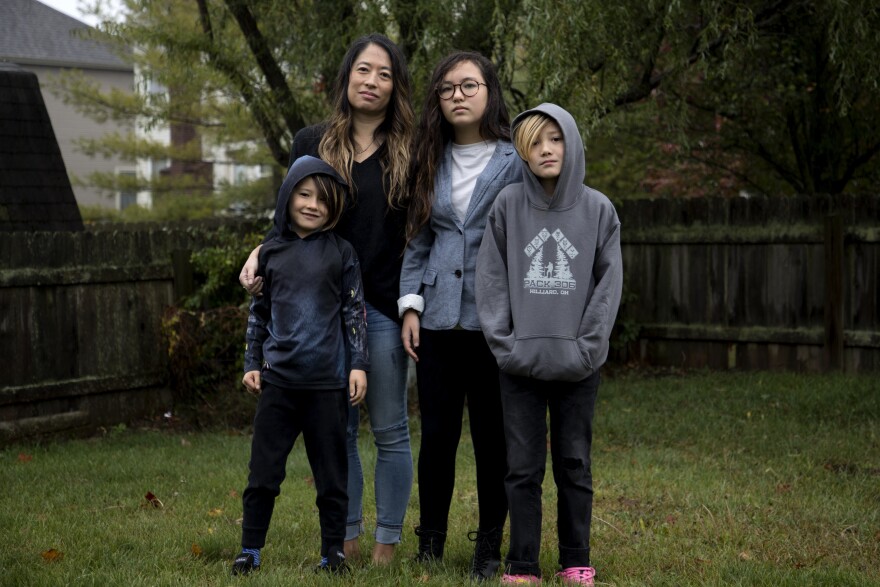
(700, 479)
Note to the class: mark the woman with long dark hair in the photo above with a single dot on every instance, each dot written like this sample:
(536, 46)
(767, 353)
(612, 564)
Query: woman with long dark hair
(367, 139)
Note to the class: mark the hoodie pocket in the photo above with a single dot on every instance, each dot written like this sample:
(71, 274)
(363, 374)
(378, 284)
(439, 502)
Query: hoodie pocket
(548, 359)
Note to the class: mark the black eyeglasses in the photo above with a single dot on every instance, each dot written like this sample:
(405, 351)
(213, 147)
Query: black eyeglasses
(468, 88)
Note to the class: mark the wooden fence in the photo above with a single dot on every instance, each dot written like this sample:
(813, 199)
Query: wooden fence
(780, 283)
(80, 325)
(744, 284)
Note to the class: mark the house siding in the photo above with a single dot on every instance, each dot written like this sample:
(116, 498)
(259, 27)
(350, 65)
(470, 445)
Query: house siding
(71, 126)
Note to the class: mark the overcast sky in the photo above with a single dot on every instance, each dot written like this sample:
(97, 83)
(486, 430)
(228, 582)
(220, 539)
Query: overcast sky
(71, 8)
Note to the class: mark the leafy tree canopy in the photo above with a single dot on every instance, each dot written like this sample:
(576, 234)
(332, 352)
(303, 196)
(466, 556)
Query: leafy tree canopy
(700, 96)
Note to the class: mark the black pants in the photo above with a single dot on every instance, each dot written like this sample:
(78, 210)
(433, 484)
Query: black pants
(282, 414)
(571, 404)
(454, 365)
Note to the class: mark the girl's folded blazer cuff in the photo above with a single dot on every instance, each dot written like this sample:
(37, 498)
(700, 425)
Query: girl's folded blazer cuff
(410, 302)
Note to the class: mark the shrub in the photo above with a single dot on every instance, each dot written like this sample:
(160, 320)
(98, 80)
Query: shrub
(205, 352)
(204, 337)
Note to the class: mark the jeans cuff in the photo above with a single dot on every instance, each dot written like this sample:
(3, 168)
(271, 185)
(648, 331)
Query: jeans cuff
(253, 538)
(574, 557)
(352, 531)
(388, 534)
(522, 568)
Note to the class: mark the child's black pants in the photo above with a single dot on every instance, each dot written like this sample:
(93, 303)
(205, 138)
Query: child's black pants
(282, 414)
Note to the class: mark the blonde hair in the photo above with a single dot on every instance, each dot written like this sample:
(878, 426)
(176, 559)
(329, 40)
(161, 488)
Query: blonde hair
(527, 130)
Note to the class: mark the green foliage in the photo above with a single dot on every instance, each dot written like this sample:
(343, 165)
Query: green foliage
(206, 361)
(694, 97)
(700, 479)
(166, 208)
(258, 195)
(216, 270)
(205, 336)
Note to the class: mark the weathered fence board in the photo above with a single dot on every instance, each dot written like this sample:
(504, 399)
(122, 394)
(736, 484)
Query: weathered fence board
(80, 325)
(724, 284)
(745, 283)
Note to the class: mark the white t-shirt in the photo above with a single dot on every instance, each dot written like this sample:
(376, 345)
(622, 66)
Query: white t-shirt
(468, 162)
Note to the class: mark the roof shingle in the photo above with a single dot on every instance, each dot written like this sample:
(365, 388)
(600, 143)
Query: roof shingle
(33, 33)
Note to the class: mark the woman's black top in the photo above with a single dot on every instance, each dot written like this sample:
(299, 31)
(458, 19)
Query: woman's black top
(374, 229)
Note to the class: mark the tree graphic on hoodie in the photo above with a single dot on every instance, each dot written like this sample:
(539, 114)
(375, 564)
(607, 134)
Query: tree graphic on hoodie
(563, 271)
(536, 269)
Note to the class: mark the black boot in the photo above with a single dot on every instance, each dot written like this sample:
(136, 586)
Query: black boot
(431, 544)
(487, 553)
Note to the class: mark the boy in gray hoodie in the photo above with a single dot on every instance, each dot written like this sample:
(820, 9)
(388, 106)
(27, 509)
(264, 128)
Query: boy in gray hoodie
(548, 285)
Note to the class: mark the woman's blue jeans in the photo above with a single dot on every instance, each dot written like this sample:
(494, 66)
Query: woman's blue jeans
(386, 405)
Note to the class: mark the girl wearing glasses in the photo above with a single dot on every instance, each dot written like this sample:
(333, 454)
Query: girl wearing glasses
(463, 159)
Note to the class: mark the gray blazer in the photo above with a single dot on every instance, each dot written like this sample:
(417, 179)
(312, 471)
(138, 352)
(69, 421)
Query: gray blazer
(439, 263)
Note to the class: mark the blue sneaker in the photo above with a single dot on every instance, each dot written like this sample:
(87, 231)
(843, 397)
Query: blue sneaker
(244, 564)
(334, 563)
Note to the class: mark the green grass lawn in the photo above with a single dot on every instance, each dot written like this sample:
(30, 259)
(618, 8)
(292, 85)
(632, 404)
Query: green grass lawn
(700, 479)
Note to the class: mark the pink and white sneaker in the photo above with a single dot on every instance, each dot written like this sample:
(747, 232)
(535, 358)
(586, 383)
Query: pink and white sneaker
(520, 579)
(577, 575)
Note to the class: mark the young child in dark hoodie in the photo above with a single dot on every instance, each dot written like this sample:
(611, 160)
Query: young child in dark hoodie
(300, 331)
(549, 279)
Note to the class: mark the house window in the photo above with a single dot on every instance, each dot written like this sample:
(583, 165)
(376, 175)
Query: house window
(241, 174)
(127, 193)
(157, 166)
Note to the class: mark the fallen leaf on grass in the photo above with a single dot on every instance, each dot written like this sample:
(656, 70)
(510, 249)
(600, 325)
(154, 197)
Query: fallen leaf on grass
(628, 503)
(745, 556)
(310, 481)
(783, 488)
(841, 468)
(154, 501)
(52, 555)
(25, 458)
(671, 520)
(215, 512)
(233, 493)
(196, 550)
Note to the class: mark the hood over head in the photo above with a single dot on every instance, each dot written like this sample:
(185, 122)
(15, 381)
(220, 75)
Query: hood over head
(303, 167)
(571, 179)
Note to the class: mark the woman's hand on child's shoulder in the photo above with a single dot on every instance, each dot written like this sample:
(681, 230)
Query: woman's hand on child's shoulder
(251, 380)
(248, 277)
(357, 386)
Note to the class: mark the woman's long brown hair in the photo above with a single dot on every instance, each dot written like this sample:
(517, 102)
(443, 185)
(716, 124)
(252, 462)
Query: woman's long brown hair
(337, 144)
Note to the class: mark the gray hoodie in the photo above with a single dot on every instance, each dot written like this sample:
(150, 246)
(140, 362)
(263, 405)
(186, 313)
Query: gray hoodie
(549, 270)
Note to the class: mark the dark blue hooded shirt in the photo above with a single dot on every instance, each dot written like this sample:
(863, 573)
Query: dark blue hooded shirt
(309, 326)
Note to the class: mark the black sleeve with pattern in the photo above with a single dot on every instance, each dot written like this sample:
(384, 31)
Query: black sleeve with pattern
(354, 311)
